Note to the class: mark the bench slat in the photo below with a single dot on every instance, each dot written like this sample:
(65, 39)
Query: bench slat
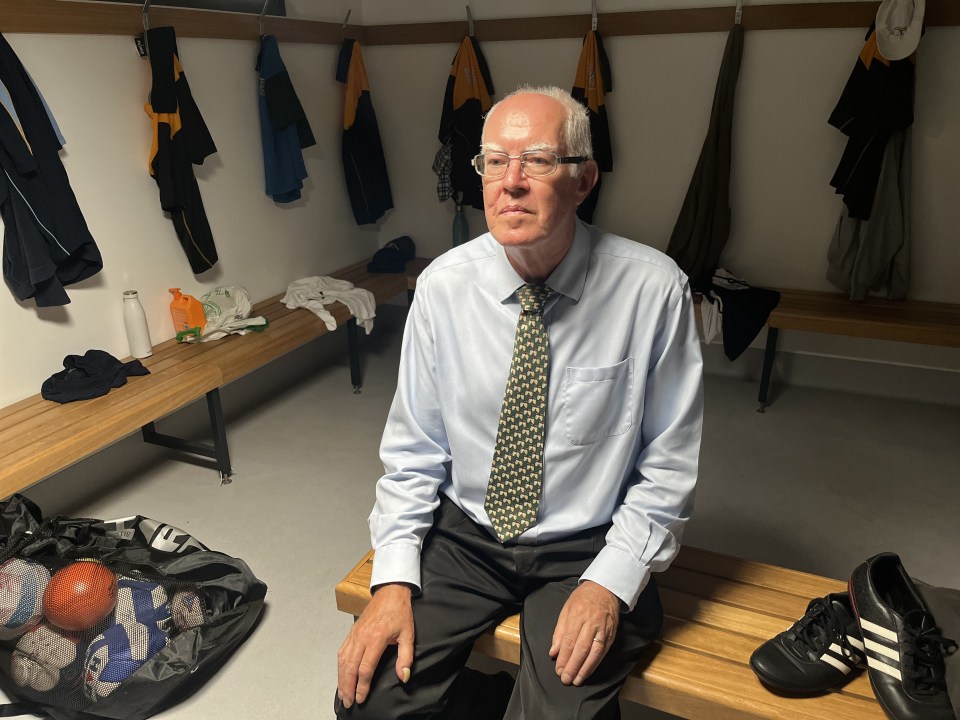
(795, 582)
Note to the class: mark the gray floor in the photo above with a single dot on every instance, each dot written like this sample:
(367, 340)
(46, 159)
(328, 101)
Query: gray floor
(820, 482)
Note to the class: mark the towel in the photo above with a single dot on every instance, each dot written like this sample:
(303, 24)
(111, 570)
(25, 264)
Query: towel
(313, 293)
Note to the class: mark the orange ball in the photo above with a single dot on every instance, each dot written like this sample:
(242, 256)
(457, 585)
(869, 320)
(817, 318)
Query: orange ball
(80, 595)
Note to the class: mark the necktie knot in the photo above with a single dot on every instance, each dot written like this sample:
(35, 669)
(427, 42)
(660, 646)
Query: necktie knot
(533, 298)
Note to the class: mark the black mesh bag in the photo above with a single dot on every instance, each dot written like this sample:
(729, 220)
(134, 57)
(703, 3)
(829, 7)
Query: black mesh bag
(113, 619)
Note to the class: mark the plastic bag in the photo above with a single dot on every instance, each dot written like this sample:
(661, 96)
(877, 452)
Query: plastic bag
(113, 619)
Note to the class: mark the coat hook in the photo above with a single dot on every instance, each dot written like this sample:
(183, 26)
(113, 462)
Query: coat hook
(145, 17)
(739, 15)
(346, 20)
(593, 21)
(262, 13)
(469, 21)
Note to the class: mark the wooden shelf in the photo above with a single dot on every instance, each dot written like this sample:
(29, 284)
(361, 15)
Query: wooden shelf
(91, 18)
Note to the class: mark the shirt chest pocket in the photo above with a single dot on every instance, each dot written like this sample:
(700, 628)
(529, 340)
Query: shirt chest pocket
(598, 402)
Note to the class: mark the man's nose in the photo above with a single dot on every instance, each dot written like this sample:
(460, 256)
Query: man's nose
(514, 176)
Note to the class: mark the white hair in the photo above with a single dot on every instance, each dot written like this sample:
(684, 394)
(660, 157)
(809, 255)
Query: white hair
(575, 133)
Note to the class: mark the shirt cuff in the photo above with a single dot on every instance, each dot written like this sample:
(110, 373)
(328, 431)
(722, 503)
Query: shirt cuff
(619, 572)
(396, 563)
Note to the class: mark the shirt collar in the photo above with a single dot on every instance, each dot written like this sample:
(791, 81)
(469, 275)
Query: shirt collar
(568, 278)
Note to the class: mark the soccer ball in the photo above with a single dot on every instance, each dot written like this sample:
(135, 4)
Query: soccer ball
(22, 584)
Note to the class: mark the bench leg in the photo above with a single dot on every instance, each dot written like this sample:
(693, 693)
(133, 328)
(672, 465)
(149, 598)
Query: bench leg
(768, 356)
(354, 348)
(218, 451)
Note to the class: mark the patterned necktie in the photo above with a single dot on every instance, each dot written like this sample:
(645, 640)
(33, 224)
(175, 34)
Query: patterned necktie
(513, 493)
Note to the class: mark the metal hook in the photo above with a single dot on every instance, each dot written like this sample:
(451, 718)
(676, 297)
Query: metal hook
(469, 21)
(593, 22)
(346, 20)
(739, 15)
(145, 17)
(262, 12)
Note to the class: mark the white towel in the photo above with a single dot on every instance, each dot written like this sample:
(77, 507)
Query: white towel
(313, 293)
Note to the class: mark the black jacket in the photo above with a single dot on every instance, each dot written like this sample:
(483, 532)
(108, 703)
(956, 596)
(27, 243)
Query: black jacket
(46, 242)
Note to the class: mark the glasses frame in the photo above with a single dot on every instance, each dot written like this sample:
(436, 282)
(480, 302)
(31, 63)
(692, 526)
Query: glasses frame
(561, 160)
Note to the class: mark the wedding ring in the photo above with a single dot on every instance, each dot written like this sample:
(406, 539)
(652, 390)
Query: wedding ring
(599, 640)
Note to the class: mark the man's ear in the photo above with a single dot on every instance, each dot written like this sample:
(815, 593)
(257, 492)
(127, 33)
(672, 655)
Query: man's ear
(587, 178)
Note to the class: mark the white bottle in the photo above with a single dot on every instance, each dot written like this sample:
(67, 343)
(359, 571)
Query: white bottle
(135, 321)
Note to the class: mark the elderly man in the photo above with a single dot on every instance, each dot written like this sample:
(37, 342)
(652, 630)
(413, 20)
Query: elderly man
(541, 451)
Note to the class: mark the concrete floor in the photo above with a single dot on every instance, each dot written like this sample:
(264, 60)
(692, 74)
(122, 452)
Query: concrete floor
(820, 482)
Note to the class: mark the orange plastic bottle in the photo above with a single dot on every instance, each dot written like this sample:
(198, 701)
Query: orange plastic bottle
(186, 311)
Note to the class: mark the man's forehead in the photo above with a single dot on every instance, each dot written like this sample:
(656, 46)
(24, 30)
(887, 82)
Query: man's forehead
(524, 118)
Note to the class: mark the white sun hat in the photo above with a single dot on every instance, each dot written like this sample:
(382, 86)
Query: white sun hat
(899, 24)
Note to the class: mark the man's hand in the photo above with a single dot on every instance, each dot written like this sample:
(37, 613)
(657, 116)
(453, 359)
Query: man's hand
(387, 620)
(586, 627)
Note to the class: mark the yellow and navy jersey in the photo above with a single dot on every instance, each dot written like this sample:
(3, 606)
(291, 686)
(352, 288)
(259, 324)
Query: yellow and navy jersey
(364, 164)
(465, 102)
(180, 141)
(592, 83)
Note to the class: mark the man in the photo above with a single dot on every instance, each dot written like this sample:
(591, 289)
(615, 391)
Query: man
(609, 458)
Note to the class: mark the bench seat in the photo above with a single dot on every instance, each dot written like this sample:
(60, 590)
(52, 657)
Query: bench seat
(718, 610)
(910, 321)
(39, 437)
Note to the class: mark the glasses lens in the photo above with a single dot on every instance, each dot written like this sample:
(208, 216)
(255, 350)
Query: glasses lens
(492, 164)
(538, 164)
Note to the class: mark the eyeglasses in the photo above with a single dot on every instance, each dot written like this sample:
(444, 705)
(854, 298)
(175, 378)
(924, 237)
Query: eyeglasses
(532, 164)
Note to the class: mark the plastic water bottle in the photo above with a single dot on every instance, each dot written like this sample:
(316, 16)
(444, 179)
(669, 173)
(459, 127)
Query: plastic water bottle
(135, 321)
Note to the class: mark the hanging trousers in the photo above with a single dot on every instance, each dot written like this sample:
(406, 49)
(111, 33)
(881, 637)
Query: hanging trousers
(470, 583)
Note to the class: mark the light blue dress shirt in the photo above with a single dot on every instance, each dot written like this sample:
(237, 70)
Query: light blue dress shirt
(624, 408)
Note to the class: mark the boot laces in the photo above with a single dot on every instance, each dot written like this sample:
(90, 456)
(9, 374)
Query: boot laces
(925, 651)
(821, 626)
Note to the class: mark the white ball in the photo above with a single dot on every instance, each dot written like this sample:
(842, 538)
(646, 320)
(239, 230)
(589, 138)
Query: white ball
(41, 655)
(22, 583)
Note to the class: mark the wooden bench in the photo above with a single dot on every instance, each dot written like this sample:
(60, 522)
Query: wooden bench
(718, 609)
(39, 437)
(910, 321)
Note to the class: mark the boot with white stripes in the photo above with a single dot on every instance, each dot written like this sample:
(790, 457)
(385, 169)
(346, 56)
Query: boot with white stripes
(820, 651)
(904, 646)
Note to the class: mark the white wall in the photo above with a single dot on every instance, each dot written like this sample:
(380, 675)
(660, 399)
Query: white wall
(96, 87)
(784, 155)
(784, 210)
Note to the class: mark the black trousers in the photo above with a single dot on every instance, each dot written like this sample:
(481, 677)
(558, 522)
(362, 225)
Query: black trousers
(469, 583)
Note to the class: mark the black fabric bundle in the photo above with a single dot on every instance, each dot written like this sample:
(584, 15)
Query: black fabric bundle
(393, 257)
(88, 376)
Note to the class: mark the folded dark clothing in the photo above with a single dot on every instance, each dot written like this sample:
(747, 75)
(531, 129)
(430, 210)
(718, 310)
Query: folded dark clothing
(393, 257)
(88, 376)
(745, 312)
